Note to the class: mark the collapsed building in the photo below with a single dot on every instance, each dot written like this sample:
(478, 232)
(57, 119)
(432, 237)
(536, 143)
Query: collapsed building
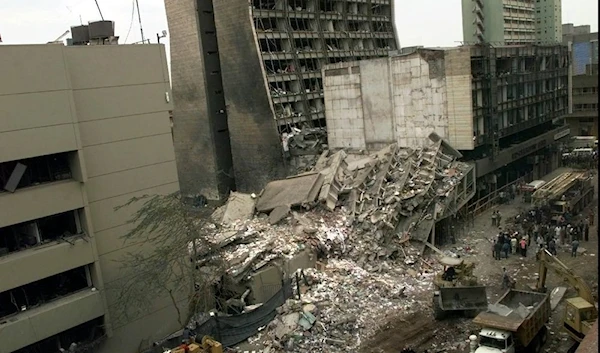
(353, 218)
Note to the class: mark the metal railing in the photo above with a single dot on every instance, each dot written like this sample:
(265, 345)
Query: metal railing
(483, 204)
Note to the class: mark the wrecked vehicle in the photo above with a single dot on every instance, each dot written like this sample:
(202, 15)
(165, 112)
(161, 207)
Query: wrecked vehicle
(456, 290)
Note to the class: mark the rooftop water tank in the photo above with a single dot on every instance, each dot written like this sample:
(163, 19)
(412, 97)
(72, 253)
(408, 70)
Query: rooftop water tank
(80, 34)
(101, 29)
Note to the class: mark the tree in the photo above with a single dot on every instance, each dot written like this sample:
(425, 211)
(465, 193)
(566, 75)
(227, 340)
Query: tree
(171, 237)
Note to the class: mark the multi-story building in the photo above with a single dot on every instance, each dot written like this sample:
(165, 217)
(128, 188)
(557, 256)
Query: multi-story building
(583, 119)
(505, 22)
(245, 72)
(498, 105)
(548, 21)
(83, 129)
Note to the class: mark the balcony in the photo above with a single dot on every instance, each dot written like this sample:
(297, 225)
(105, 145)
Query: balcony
(39, 323)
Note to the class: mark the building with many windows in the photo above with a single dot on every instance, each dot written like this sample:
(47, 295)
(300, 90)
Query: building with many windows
(584, 86)
(246, 71)
(506, 22)
(500, 106)
(83, 129)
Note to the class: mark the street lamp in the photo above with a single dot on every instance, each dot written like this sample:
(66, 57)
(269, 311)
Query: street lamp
(161, 35)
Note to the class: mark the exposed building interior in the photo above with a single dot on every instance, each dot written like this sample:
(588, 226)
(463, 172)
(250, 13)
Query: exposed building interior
(518, 93)
(298, 37)
(84, 338)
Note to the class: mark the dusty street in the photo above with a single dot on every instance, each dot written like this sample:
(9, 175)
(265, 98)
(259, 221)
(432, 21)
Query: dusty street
(421, 332)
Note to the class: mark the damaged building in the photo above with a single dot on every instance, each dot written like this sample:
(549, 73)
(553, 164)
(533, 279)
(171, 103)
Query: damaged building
(83, 129)
(502, 107)
(363, 214)
(246, 73)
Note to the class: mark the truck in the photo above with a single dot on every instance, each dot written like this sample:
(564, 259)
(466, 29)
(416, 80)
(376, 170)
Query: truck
(515, 324)
(457, 292)
(570, 192)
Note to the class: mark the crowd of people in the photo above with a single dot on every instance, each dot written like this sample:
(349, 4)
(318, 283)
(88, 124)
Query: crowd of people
(536, 228)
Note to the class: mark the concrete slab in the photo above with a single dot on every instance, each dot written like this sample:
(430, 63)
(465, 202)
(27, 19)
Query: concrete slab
(278, 213)
(238, 207)
(291, 192)
(556, 296)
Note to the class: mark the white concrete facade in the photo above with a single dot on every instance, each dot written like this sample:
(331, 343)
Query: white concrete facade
(401, 99)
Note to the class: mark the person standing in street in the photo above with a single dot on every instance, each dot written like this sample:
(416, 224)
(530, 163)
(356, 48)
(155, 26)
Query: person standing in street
(586, 229)
(574, 246)
(505, 279)
(494, 217)
(552, 247)
(506, 249)
(497, 250)
(523, 246)
(513, 245)
(498, 218)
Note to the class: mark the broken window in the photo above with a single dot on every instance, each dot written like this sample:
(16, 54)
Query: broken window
(35, 294)
(264, 4)
(265, 24)
(33, 171)
(86, 337)
(29, 234)
(270, 45)
(326, 5)
(300, 24)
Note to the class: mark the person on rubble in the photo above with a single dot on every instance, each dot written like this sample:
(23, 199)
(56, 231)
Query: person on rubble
(494, 218)
(586, 229)
(498, 218)
(449, 274)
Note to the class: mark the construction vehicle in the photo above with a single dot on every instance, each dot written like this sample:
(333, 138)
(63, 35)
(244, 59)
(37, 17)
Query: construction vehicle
(570, 192)
(457, 292)
(207, 345)
(515, 324)
(580, 311)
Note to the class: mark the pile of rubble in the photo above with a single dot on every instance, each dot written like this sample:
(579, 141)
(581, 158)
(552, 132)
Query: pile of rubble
(356, 213)
(342, 306)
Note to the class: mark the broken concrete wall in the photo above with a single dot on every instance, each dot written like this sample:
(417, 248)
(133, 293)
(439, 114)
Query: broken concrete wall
(460, 99)
(267, 281)
(419, 98)
(343, 104)
(373, 103)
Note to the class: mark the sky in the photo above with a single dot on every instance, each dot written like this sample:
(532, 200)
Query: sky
(422, 22)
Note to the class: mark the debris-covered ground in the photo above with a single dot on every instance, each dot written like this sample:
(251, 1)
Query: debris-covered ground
(365, 217)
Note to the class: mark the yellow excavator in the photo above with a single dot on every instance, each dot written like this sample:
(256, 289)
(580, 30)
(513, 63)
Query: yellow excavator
(580, 311)
(207, 345)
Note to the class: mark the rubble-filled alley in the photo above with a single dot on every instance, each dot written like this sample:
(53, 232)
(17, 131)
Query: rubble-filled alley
(352, 233)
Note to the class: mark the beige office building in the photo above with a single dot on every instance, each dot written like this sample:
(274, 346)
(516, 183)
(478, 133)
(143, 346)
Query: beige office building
(82, 130)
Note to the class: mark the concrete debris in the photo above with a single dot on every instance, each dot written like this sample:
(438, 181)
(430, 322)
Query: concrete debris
(371, 206)
(293, 191)
(556, 296)
(342, 306)
(306, 141)
(239, 207)
(278, 213)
